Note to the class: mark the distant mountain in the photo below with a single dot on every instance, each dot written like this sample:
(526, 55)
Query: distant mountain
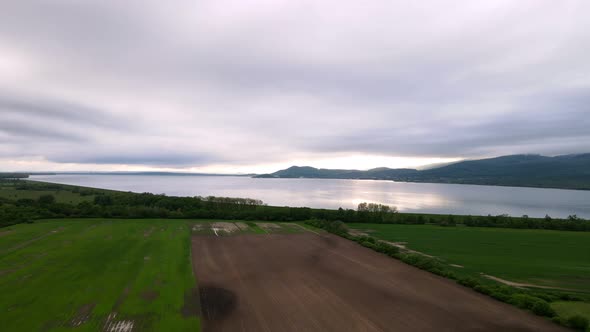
(323, 173)
(567, 171)
(141, 173)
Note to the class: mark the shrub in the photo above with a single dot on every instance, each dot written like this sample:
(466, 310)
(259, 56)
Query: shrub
(578, 322)
(483, 289)
(500, 296)
(387, 249)
(46, 199)
(523, 301)
(542, 308)
(559, 320)
(469, 282)
(536, 305)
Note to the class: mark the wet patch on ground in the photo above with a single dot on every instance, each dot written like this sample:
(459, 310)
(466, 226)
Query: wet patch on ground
(217, 302)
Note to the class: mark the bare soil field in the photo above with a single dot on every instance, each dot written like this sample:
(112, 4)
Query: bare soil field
(309, 282)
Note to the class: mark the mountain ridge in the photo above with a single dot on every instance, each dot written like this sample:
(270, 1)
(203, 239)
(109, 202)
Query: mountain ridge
(570, 171)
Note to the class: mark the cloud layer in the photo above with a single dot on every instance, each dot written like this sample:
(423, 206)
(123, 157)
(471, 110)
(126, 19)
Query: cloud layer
(207, 84)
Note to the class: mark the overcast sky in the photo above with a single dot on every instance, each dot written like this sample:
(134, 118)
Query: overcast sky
(239, 86)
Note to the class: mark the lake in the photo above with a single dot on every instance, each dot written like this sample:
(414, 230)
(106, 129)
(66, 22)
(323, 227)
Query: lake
(331, 193)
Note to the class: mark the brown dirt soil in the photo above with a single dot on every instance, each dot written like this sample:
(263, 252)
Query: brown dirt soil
(242, 226)
(269, 227)
(226, 227)
(306, 282)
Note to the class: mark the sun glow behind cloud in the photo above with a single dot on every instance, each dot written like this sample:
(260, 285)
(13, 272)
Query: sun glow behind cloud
(360, 162)
(357, 161)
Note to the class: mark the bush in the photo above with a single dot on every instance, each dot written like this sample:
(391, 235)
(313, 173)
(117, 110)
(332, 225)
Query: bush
(559, 320)
(469, 282)
(536, 305)
(578, 322)
(523, 301)
(46, 199)
(542, 308)
(483, 289)
(500, 296)
(336, 227)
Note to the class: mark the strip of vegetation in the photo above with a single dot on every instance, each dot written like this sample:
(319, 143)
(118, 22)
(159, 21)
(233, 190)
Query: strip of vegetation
(536, 302)
(14, 175)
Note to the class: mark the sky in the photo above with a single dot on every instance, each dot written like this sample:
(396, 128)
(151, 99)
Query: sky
(259, 85)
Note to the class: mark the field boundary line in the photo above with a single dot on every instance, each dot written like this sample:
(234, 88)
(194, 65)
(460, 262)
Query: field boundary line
(519, 284)
(307, 229)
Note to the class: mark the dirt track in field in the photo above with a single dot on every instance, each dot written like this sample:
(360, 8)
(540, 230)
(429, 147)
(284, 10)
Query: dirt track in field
(306, 282)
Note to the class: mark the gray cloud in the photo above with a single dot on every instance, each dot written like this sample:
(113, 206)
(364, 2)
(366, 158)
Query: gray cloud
(152, 158)
(25, 130)
(61, 110)
(183, 83)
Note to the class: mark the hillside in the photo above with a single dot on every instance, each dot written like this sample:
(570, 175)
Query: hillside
(323, 173)
(567, 171)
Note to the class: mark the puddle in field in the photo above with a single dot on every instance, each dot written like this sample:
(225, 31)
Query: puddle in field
(216, 303)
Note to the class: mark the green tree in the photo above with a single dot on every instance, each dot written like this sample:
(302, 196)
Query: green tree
(46, 199)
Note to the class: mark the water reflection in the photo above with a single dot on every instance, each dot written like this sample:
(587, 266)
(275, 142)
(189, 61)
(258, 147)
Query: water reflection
(319, 193)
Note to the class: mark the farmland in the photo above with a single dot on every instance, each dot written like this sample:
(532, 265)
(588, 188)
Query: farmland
(320, 282)
(170, 266)
(20, 190)
(96, 274)
(136, 275)
(557, 259)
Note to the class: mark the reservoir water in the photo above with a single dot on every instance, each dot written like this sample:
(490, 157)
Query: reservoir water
(329, 193)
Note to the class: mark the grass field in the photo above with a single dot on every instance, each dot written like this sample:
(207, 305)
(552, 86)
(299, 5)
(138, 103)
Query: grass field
(63, 195)
(547, 258)
(96, 274)
(569, 309)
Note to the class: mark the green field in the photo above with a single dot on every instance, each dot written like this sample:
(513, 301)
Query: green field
(557, 259)
(95, 274)
(569, 309)
(61, 196)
